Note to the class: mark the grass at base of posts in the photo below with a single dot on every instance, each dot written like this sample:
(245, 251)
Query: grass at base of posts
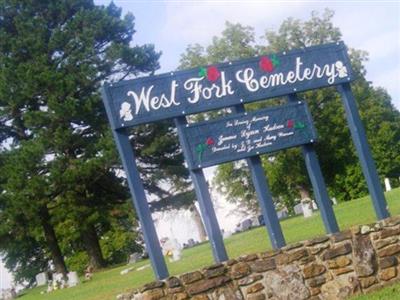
(108, 283)
(391, 292)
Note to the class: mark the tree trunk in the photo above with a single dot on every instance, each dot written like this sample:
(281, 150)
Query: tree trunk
(304, 193)
(198, 221)
(92, 247)
(52, 242)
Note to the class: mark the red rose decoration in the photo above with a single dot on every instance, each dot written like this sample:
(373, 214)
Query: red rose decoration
(213, 73)
(210, 141)
(290, 123)
(266, 64)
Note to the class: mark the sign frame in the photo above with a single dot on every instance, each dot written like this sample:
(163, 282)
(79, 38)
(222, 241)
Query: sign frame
(236, 102)
(292, 109)
(168, 89)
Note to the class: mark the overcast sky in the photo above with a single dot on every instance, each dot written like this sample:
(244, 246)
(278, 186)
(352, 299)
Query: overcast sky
(373, 26)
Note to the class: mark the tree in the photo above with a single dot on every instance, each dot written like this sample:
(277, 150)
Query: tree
(60, 164)
(286, 170)
(24, 206)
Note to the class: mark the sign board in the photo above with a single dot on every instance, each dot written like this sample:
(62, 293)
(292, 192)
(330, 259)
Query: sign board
(175, 95)
(247, 134)
(154, 98)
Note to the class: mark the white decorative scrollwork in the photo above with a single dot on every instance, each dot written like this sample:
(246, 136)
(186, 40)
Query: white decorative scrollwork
(341, 69)
(125, 112)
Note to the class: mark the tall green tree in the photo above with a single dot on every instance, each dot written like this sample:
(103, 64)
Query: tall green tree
(60, 174)
(286, 170)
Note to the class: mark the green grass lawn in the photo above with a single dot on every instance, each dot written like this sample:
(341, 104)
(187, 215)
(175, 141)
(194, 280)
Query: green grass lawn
(388, 293)
(107, 284)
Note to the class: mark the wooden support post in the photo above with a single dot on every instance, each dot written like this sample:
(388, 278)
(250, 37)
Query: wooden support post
(205, 203)
(318, 183)
(138, 195)
(141, 205)
(264, 196)
(363, 151)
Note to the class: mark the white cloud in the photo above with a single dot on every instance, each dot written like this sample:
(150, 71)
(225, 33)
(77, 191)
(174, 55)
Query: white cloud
(383, 45)
(390, 80)
(198, 22)
(371, 26)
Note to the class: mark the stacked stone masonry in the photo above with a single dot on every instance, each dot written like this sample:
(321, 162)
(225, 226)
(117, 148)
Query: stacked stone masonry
(337, 266)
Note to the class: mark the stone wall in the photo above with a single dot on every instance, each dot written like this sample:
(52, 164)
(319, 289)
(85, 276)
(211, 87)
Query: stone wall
(355, 261)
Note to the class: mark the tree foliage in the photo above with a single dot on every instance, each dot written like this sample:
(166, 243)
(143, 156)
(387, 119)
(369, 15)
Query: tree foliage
(286, 170)
(62, 193)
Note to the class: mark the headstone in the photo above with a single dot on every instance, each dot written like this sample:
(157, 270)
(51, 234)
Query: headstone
(191, 243)
(388, 187)
(89, 273)
(334, 201)
(227, 234)
(261, 220)
(298, 209)
(246, 225)
(171, 248)
(9, 294)
(49, 286)
(314, 205)
(58, 277)
(126, 271)
(73, 279)
(255, 221)
(58, 281)
(41, 279)
(306, 205)
(282, 214)
(134, 257)
(143, 267)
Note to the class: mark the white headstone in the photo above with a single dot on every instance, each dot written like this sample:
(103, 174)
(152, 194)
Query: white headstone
(171, 248)
(246, 225)
(41, 279)
(227, 234)
(314, 205)
(58, 277)
(58, 281)
(134, 257)
(191, 243)
(282, 214)
(126, 271)
(387, 185)
(143, 267)
(9, 294)
(73, 279)
(307, 208)
(298, 209)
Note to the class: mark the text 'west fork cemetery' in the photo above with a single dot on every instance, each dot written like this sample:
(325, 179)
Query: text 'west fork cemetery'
(241, 135)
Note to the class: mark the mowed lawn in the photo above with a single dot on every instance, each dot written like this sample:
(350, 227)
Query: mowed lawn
(388, 293)
(106, 284)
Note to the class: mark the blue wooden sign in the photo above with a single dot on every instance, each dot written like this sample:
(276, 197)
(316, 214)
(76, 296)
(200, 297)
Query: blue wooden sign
(241, 135)
(149, 99)
(247, 134)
